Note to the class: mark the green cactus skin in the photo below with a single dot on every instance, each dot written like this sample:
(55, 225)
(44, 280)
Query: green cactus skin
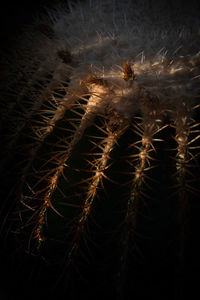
(100, 146)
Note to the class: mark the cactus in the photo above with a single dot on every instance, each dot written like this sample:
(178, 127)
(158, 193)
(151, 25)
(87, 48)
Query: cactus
(100, 138)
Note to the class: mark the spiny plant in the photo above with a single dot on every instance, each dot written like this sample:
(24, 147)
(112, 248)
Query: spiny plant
(100, 135)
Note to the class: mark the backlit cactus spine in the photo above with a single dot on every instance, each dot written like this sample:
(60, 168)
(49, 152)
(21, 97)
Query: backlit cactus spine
(92, 92)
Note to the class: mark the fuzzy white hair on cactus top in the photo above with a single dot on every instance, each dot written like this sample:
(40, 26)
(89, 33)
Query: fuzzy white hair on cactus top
(100, 36)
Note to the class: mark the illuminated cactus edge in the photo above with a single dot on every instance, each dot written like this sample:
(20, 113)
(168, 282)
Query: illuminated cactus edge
(100, 131)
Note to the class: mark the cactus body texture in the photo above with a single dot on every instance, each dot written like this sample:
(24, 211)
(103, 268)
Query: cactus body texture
(100, 141)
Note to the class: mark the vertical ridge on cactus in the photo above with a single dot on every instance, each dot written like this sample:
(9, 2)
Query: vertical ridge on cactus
(99, 129)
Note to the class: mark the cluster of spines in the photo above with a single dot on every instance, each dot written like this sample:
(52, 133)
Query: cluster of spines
(42, 119)
(54, 108)
(186, 137)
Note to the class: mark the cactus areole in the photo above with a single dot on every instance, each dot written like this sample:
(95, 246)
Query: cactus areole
(100, 137)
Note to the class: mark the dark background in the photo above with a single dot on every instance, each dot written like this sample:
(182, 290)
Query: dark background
(15, 14)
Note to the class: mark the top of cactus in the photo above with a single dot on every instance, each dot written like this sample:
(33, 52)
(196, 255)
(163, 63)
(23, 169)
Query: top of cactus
(99, 36)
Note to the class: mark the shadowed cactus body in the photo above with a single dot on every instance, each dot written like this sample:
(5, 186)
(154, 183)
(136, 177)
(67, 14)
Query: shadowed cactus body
(101, 136)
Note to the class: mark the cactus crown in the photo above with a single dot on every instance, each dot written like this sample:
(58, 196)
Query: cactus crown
(90, 100)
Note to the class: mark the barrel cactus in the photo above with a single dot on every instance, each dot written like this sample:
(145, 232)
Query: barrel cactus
(100, 140)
